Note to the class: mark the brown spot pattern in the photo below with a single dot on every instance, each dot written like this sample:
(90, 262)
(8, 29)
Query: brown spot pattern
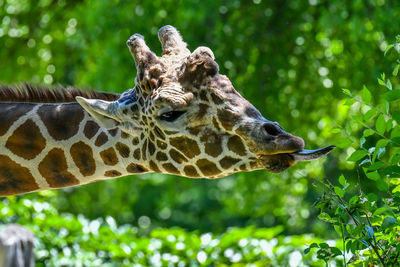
(26, 141)
(54, 168)
(235, 144)
(215, 123)
(227, 118)
(202, 110)
(228, 162)
(216, 99)
(212, 144)
(113, 132)
(186, 145)
(151, 148)
(203, 95)
(243, 167)
(144, 150)
(161, 144)
(135, 141)
(82, 155)
(154, 166)
(170, 168)
(159, 133)
(10, 112)
(14, 178)
(61, 121)
(112, 173)
(161, 156)
(101, 139)
(91, 128)
(109, 156)
(207, 167)
(135, 168)
(123, 149)
(136, 154)
(124, 135)
(176, 156)
(191, 171)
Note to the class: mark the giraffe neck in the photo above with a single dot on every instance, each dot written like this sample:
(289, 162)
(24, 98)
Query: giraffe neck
(45, 146)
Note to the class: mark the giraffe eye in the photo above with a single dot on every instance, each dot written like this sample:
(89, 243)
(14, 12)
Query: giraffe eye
(171, 116)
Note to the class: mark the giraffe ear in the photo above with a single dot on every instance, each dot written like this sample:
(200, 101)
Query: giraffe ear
(103, 112)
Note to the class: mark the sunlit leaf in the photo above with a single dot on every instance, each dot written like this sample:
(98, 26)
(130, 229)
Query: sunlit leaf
(392, 95)
(368, 132)
(346, 91)
(342, 180)
(370, 114)
(357, 155)
(380, 124)
(339, 191)
(373, 175)
(343, 143)
(396, 70)
(366, 95)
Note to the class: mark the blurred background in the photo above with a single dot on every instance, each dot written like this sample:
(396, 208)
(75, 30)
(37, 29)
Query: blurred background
(291, 59)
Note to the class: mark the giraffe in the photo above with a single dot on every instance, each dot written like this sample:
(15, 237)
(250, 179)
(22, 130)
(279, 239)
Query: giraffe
(182, 117)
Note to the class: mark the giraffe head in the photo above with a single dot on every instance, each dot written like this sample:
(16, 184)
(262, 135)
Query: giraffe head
(187, 119)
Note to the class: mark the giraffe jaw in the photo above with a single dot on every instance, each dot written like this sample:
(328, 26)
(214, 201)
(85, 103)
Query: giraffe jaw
(281, 161)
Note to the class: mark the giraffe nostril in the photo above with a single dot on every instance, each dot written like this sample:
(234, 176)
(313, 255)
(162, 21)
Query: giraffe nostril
(272, 128)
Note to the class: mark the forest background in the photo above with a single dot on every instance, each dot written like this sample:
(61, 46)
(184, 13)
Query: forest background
(291, 59)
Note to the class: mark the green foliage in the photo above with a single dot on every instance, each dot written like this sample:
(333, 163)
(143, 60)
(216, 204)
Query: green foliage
(368, 222)
(288, 58)
(73, 240)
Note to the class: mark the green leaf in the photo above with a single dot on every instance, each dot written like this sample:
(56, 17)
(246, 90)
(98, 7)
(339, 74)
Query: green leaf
(373, 175)
(381, 143)
(339, 191)
(380, 124)
(349, 101)
(370, 114)
(343, 143)
(376, 165)
(313, 245)
(382, 185)
(336, 251)
(388, 49)
(342, 180)
(346, 91)
(389, 84)
(325, 217)
(380, 210)
(396, 70)
(388, 222)
(366, 95)
(396, 116)
(392, 95)
(381, 82)
(338, 229)
(370, 231)
(385, 106)
(363, 242)
(368, 132)
(357, 155)
(396, 189)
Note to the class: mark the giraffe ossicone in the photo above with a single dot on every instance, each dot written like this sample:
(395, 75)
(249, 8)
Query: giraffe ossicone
(182, 117)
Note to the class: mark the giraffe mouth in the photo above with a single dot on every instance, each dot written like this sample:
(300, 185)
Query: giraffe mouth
(281, 161)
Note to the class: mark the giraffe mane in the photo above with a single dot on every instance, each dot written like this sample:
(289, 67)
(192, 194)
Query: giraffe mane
(27, 92)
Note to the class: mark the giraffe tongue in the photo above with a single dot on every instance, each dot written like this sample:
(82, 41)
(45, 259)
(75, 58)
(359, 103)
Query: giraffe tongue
(306, 155)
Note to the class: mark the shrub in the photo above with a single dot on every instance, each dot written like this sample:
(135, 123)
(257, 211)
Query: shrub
(368, 222)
